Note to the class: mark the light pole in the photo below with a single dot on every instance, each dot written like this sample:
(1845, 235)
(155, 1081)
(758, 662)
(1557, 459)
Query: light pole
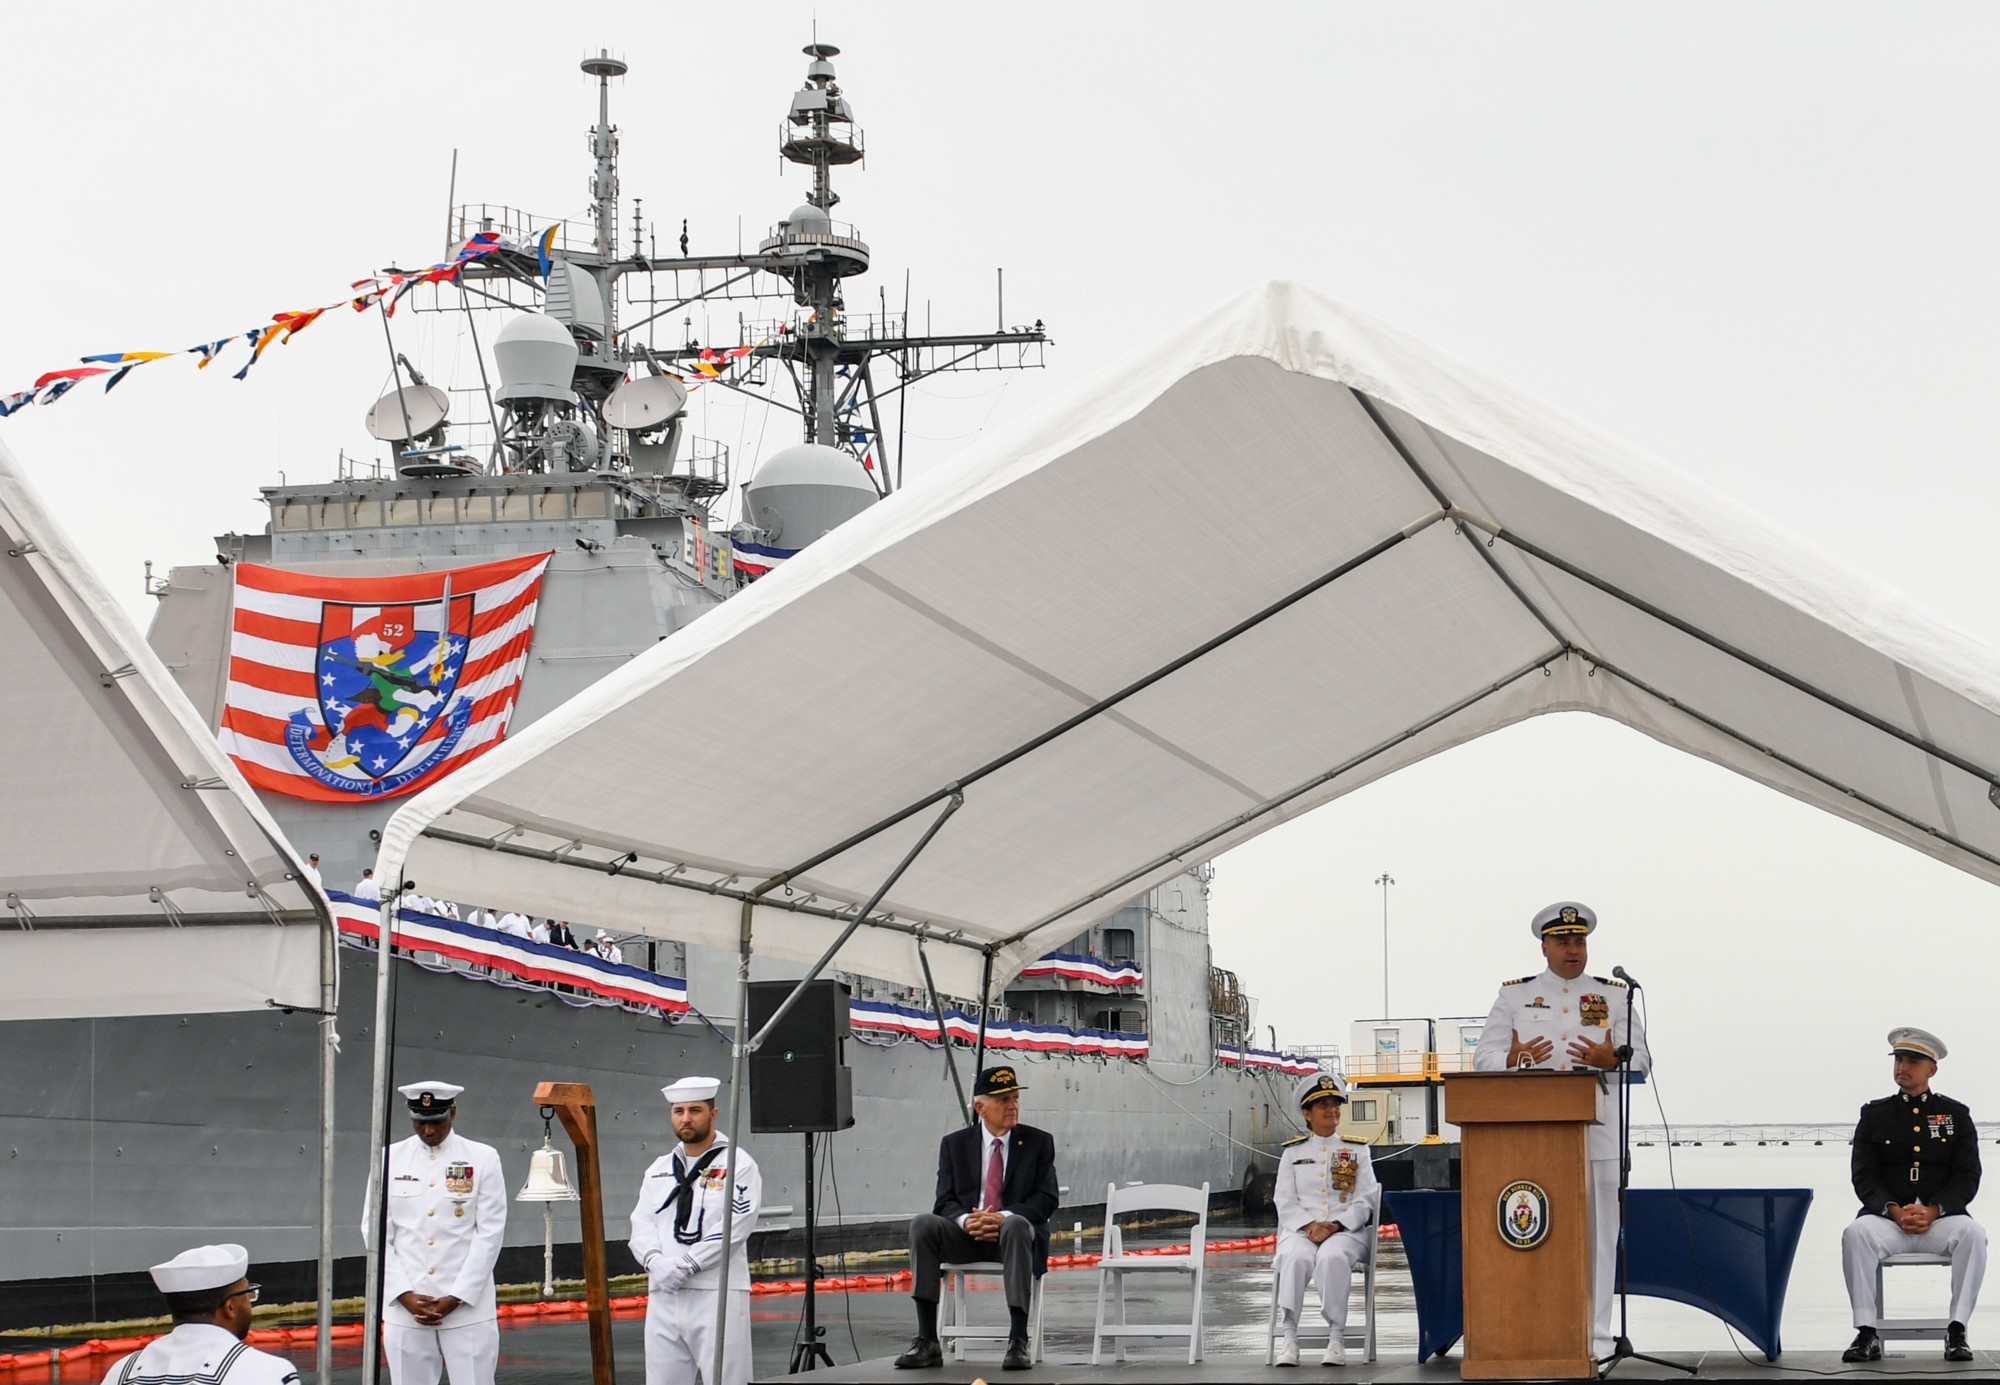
(1385, 880)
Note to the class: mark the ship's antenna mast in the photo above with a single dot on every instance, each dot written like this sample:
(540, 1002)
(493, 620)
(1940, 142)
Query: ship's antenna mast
(604, 143)
(821, 134)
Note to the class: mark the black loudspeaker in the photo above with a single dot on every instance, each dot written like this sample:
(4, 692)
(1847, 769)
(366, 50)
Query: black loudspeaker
(799, 1081)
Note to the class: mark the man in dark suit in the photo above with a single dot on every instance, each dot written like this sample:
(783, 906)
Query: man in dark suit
(996, 1191)
(1916, 1171)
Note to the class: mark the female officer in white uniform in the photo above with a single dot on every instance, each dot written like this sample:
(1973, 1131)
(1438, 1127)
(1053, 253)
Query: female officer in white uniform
(447, 1213)
(1326, 1199)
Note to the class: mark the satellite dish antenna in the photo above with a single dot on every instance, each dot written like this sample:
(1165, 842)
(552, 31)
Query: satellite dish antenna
(407, 414)
(641, 405)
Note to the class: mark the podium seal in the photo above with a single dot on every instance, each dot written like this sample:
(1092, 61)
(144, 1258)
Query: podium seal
(1523, 1212)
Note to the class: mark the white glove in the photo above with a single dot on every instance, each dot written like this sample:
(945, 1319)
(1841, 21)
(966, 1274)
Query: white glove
(664, 1276)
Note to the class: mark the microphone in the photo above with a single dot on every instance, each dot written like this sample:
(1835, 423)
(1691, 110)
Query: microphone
(1626, 977)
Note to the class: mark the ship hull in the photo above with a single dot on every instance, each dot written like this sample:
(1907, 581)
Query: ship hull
(128, 1140)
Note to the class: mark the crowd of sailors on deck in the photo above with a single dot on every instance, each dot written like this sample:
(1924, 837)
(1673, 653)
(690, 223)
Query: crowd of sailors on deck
(555, 932)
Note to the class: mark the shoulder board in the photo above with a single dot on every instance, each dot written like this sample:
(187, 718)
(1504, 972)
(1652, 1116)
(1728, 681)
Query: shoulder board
(1353, 1140)
(1608, 981)
(1297, 1140)
(1518, 981)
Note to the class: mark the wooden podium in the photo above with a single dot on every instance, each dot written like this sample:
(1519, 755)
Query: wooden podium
(1525, 1219)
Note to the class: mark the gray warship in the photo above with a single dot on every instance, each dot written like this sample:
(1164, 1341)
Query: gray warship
(128, 1139)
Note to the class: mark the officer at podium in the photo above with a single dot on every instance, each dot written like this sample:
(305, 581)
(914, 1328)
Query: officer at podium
(1916, 1171)
(1562, 1020)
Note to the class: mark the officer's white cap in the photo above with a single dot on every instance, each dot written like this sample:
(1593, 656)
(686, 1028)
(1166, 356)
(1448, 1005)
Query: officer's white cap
(204, 1267)
(693, 1089)
(1919, 1042)
(1564, 918)
(430, 1098)
(1319, 1087)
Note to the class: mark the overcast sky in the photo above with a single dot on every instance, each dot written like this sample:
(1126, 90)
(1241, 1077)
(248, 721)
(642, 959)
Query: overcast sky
(1754, 240)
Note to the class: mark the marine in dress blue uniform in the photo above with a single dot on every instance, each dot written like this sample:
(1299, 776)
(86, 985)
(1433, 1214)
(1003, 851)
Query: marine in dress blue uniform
(1916, 1171)
(210, 1301)
(1564, 1020)
(1326, 1197)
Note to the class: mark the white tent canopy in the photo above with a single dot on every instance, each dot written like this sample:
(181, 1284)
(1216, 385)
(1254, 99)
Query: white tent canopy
(140, 875)
(1287, 552)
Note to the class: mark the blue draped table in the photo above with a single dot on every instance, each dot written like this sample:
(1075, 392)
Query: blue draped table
(1727, 1251)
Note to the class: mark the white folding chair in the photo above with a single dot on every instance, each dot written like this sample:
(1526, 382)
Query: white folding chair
(1116, 1263)
(1363, 1336)
(954, 1328)
(1903, 1328)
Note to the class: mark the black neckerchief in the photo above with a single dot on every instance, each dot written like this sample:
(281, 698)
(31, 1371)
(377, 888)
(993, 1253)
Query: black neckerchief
(682, 1182)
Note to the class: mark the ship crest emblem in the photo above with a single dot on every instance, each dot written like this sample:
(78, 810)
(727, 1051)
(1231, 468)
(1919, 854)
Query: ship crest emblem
(1524, 1215)
(386, 678)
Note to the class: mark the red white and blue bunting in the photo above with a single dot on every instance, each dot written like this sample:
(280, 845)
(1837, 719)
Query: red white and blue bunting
(1034, 1038)
(1277, 1060)
(1086, 969)
(514, 956)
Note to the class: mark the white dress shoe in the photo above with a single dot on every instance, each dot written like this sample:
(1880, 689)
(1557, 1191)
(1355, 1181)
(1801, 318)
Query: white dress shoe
(1288, 1353)
(1335, 1353)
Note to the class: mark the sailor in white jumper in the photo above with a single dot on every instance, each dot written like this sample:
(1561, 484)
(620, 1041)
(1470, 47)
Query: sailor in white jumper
(210, 1301)
(1564, 1020)
(677, 1238)
(1326, 1199)
(447, 1213)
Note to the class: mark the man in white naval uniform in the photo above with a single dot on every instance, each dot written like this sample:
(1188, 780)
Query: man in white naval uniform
(1326, 1199)
(1565, 1021)
(447, 1213)
(210, 1300)
(677, 1238)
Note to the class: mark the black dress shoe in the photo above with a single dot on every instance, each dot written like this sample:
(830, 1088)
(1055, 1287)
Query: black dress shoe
(923, 1355)
(1867, 1347)
(1016, 1358)
(1956, 1348)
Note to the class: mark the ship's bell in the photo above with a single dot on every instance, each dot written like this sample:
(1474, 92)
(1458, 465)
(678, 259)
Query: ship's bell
(547, 1181)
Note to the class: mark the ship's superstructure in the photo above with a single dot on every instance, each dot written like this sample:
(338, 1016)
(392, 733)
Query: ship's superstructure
(577, 444)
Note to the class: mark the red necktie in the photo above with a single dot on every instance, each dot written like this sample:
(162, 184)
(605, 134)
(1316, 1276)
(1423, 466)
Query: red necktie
(991, 1201)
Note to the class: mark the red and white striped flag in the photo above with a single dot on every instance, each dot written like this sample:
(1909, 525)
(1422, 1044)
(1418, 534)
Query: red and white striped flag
(372, 687)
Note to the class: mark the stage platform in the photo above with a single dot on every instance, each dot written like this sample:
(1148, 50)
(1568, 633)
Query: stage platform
(1925, 1364)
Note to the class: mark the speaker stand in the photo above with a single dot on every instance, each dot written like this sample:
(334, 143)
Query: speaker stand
(810, 1353)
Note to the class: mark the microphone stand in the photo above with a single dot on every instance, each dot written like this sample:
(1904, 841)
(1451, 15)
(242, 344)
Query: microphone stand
(1621, 1347)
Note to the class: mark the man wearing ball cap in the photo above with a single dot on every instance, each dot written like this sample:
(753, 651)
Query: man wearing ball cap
(1326, 1198)
(447, 1212)
(210, 1300)
(677, 1240)
(996, 1191)
(1916, 1171)
(1563, 1020)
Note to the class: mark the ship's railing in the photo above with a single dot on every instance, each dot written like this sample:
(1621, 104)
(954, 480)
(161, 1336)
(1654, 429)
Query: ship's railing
(524, 230)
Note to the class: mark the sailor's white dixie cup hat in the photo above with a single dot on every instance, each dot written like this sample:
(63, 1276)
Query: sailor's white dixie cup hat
(430, 1100)
(1565, 918)
(692, 1089)
(1915, 1043)
(204, 1267)
(1320, 1087)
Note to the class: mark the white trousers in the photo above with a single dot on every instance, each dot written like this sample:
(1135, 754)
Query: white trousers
(1604, 1254)
(680, 1338)
(1868, 1239)
(417, 1354)
(1329, 1264)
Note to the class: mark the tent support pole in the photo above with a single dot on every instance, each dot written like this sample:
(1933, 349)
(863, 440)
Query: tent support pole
(860, 917)
(985, 1000)
(1271, 805)
(329, 991)
(1744, 656)
(739, 1053)
(378, 1134)
(944, 1035)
